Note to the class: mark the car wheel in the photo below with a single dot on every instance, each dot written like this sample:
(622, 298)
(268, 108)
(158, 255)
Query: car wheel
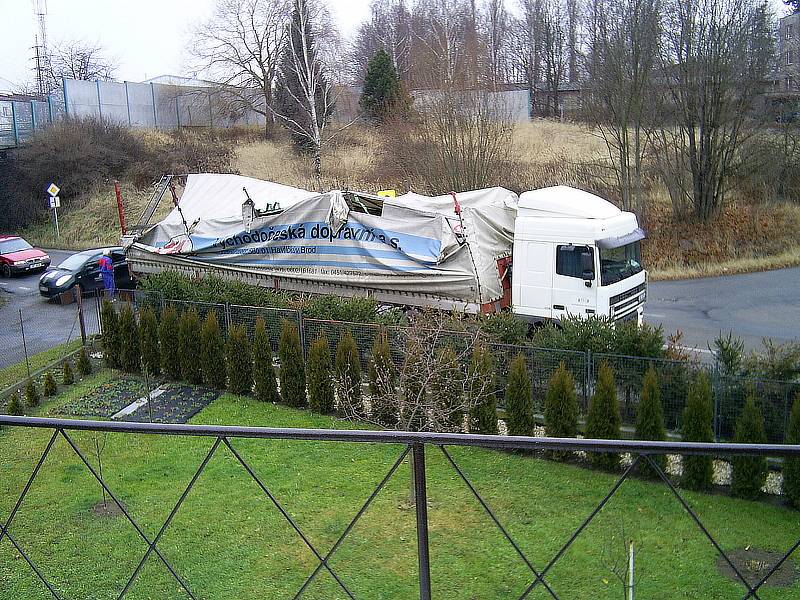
(6, 271)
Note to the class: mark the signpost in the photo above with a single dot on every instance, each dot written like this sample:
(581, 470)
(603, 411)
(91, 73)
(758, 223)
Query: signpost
(54, 202)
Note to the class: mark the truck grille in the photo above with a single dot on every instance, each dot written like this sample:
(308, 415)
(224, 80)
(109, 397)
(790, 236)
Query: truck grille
(627, 294)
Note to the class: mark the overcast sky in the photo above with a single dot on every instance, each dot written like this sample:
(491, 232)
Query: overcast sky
(146, 37)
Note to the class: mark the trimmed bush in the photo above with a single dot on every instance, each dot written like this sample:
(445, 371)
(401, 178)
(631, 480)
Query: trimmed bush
(561, 405)
(67, 376)
(519, 403)
(83, 365)
(698, 471)
(791, 466)
(190, 347)
(14, 406)
(168, 341)
(31, 394)
(148, 336)
(213, 352)
(650, 421)
(347, 374)
(749, 472)
(130, 357)
(293, 368)
(447, 392)
(239, 361)
(382, 379)
(320, 384)
(481, 389)
(266, 383)
(110, 340)
(603, 421)
(49, 386)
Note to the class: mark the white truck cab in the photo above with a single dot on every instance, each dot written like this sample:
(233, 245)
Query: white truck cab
(576, 254)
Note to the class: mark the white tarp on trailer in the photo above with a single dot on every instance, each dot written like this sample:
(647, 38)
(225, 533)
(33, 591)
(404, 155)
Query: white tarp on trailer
(417, 244)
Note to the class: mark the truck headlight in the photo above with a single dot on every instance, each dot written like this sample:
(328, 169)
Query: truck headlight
(63, 280)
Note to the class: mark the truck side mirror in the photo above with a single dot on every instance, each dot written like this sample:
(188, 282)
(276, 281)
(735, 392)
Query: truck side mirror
(587, 267)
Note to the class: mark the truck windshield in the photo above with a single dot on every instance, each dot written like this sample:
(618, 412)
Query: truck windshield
(618, 263)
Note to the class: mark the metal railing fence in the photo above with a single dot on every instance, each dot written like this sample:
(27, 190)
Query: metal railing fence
(412, 444)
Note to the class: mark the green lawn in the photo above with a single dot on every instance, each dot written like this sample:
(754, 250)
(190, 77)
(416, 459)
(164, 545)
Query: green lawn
(19, 371)
(229, 542)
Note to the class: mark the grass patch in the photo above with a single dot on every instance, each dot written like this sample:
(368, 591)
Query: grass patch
(19, 371)
(228, 541)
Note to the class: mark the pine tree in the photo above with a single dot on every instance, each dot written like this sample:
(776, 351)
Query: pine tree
(749, 473)
(239, 361)
(169, 343)
(266, 384)
(383, 95)
(67, 377)
(213, 352)
(561, 408)
(31, 394)
(347, 374)
(519, 403)
(14, 406)
(49, 386)
(650, 421)
(83, 365)
(791, 465)
(382, 381)
(447, 392)
(110, 339)
(148, 335)
(293, 369)
(189, 347)
(697, 427)
(481, 386)
(603, 421)
(129, 354)
(320, 384)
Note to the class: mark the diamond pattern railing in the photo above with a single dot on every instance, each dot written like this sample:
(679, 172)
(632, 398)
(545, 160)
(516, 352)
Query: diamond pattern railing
(414, 445)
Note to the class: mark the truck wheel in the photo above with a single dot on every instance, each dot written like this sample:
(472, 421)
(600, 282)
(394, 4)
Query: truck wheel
(6, 271)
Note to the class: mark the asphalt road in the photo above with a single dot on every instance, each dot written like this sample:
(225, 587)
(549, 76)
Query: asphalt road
(46, 324)
(753, 306)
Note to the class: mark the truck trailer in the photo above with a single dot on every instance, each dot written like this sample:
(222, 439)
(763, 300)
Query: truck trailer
(542, 255)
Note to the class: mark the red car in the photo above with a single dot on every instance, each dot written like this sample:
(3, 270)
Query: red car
(18, 256)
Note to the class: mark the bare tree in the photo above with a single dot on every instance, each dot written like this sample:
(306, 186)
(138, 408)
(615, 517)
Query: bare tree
(529, 47)
(554, 44)
(621, 63)
(388, 28)
(441, 48)
(713, 65)
(77, 59)
(497, 28)
(239, 47)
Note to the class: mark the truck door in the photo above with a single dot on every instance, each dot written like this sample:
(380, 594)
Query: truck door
(571, 295)
(532, 285)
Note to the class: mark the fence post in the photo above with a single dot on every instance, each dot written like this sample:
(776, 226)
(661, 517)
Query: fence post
(14, 122)
(66, 97)
(33, 116)
(228, 317)
(24, 344)
(302, 327)
(421, 504)
(99, 100)
(81, 321)
(715, 388)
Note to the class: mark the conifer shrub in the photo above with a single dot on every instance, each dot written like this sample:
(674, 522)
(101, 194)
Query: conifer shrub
(213, 357)
(266, 384)
(749, 473)
(130, 357)
(347, 374)
(791, 465)
(83, 365)
(67, 376)
(31, 394)
(650, 421)
(148, 335)
(561, 408)
(110, 339)
(603, 420)
(519, 403)
(447, 392)
(698, 471)
(14, 406)
(382, 380)
(49, 386)
(481, 389)
(190, 347)
(320, 383)
(169, 342)
(239, 361)
(293, 368)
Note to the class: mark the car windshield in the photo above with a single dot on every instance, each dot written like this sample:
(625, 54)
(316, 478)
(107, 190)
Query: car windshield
(76, 261)
(14, 245)
(618, 263)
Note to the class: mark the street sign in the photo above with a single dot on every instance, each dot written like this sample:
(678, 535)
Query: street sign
(53, 189)
(55, 202)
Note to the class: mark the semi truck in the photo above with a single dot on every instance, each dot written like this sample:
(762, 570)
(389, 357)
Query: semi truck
(543, 255)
